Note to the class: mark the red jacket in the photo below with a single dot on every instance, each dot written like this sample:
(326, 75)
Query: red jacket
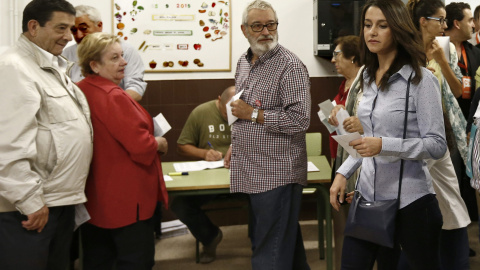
(126, 178)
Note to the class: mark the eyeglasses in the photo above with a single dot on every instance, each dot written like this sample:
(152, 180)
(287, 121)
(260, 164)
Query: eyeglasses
(440, 20)
(336, 53)
(258, 27)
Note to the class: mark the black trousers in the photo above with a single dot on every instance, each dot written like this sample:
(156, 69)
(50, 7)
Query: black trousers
(25, 250)
(126, 248)
(417, 232)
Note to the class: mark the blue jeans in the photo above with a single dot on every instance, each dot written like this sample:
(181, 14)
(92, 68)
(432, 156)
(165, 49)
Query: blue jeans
(418, 229)
(277, 242)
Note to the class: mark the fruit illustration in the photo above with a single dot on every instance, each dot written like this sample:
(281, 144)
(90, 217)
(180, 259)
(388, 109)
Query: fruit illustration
(153, 64)
(197, 46)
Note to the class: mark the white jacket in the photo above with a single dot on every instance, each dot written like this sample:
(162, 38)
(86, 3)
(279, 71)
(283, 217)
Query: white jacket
(46, 135)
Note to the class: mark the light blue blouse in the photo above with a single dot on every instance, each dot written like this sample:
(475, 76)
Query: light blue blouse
(384, 118)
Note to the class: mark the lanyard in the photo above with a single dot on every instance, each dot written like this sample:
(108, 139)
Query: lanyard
(464, 55)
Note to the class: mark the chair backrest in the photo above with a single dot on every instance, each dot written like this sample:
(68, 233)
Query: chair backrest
(314, 143)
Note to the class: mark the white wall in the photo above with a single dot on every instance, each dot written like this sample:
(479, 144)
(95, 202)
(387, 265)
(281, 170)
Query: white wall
(295, 33)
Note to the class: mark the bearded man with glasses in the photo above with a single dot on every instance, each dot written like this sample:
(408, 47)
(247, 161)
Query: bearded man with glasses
(268, 158)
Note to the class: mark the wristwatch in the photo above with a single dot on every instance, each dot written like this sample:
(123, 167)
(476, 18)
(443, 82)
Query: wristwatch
(254, 115)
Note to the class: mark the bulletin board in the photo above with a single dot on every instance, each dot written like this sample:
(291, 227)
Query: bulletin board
(176, 36)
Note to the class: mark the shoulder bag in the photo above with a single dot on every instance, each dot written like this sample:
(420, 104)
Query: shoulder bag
(374, 221)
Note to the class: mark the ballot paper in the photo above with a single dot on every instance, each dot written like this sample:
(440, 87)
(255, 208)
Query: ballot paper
(197, 165)
(324, 121)
(81, 215)
(167, 177)
(326, 108)
(345, 139)
(161, 126)
(444, 42)
(341, 116)
(231, 117)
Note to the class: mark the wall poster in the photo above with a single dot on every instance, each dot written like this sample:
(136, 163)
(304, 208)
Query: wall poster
(176, 36)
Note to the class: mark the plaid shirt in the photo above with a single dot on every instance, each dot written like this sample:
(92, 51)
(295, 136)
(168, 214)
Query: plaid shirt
(273, 154)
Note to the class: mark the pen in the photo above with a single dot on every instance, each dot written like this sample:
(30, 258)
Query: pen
(177, 173)
(211, 146)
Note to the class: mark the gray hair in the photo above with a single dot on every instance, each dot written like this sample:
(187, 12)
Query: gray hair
(257, 4)
(92, 13)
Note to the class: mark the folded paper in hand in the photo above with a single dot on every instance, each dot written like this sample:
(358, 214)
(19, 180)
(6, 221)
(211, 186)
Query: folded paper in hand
(341, 116)
(161, 126)
(231, 117)
(345, 139)
(326, 108)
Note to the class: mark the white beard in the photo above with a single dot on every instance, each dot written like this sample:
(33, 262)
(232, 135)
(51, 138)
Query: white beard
(261, 49)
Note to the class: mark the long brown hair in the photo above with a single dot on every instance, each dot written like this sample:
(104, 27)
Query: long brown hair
(406, 38)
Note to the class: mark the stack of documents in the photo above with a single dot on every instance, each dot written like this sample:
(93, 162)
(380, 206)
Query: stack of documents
(197, 165)
(173, 228)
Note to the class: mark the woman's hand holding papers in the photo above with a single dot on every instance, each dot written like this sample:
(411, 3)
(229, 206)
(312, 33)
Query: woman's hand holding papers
(367, 146)
(351, 124)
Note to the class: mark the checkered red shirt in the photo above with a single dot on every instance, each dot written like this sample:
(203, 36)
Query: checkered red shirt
(273, 154)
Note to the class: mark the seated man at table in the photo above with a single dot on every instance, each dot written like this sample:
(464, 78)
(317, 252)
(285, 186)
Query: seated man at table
(205, 136)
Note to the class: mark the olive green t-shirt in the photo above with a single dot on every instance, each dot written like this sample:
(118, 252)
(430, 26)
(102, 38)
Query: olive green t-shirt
(206, 124)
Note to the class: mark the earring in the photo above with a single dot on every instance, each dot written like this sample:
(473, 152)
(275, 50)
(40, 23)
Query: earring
(353, 62)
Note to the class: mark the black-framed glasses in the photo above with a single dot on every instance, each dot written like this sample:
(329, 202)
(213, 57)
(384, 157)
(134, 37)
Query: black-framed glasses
(258, 27)
(336, 54)
(440, 20)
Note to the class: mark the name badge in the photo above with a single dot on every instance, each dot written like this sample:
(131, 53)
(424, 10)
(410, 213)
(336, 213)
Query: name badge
(466, 85)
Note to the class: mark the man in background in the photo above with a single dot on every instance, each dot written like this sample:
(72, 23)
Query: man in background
(475, 40)
(87, 21)
(268, 158)
(46, 142)
(205, 136)
(459, 29)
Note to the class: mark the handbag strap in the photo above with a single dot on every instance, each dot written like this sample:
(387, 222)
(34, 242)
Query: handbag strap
(404, 137)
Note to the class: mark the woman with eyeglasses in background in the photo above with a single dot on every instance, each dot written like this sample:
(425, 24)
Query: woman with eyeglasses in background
(346, 58)
(429, 18)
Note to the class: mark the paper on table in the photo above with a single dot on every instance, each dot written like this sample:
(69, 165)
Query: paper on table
(341, 116)
(343, 140)
(311, 167)
(167, 177)
(161, 126)
(444, 42)
(231, 117)
(197, 165)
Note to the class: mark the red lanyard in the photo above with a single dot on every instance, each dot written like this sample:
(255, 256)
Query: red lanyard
(464, 55)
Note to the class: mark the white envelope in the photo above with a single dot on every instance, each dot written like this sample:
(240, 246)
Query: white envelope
(161, 126)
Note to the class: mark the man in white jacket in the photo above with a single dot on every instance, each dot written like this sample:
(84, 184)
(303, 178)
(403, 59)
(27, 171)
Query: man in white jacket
(46, 142)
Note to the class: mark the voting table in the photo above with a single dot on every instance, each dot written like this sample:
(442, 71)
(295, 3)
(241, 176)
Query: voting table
(217, 181)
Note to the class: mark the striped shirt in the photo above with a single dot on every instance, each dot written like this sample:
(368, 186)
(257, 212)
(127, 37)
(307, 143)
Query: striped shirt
(273, 154)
